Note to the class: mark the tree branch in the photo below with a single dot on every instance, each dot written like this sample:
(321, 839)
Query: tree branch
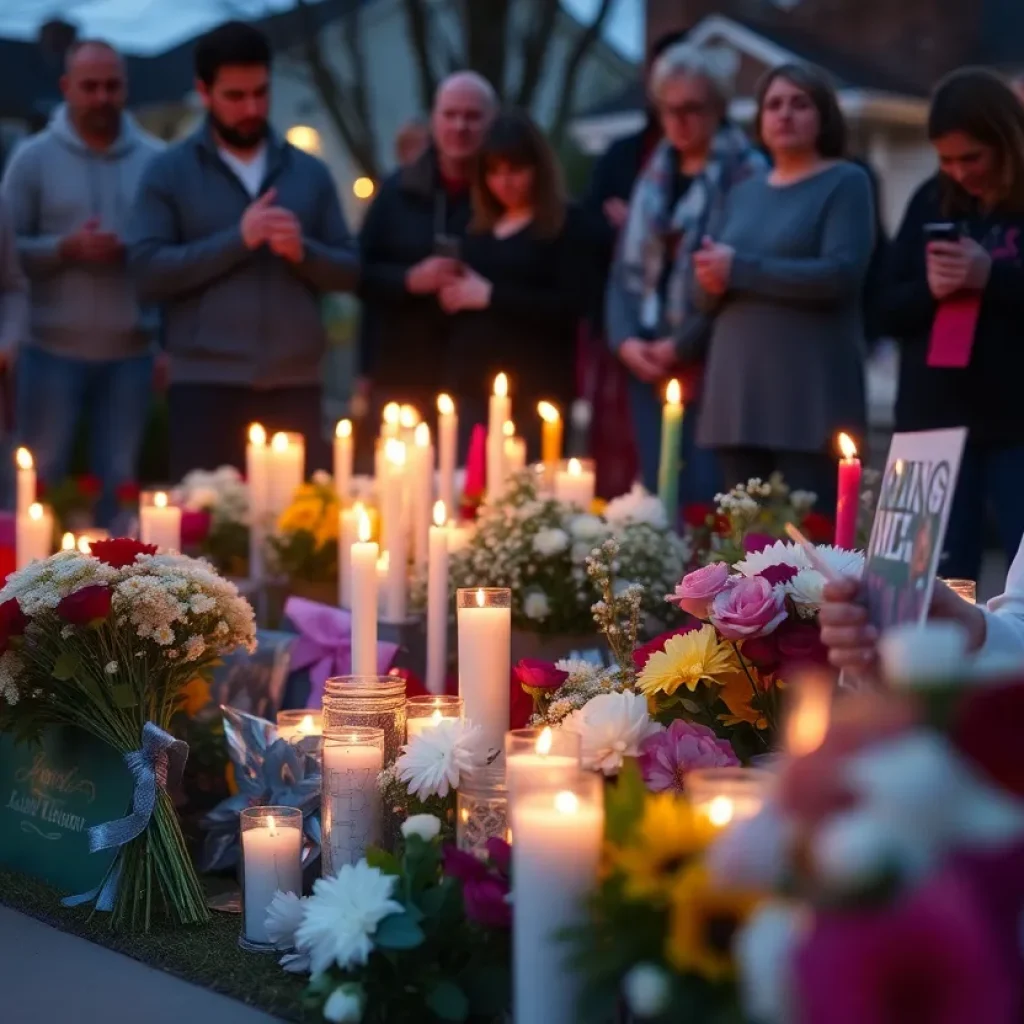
(417, 26)
(536, 43)
(486, 31)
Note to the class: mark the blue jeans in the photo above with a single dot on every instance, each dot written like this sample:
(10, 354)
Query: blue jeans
(56, 396)
(991, 480)
(700, 479)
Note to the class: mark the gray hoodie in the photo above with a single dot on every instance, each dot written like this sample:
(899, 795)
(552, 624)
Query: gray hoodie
(53, 185)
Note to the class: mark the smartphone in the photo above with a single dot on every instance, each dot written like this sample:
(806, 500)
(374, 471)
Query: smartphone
(945, 231)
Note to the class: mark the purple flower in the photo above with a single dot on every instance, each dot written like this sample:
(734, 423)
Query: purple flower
(486, 903)
(750, 608)
(463, 866)
(754, 542)
(500, 854)
(776, 574)
(700, 587)
(666, 757)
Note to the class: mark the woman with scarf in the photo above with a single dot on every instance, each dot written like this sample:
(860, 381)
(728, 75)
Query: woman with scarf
(677, 200)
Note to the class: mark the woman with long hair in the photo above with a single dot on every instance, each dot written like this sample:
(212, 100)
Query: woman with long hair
(524, 286)
(954, 297)
(783, 279)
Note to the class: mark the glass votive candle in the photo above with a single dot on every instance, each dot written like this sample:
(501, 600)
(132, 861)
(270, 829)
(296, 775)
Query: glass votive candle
(575, 482)
(350, 805)
(725, 795)
(967, 589)
(374, 702)
(481, 809)
(543, 755)
(271, 862)
(300, 724)
(159, 520)
(423, 713)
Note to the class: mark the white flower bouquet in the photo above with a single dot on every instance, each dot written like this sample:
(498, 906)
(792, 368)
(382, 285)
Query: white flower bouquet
(107, 643)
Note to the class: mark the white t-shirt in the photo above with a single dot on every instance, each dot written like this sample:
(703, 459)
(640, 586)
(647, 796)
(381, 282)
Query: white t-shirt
(1005, 616)
(249, 172)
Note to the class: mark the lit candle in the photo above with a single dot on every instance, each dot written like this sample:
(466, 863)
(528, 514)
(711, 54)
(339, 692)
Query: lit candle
(725, 795)
(848, 501)
(395, 530)
(26, 480)
(272, 862)
(256, 469)
(299, 725)
(437, 601)
(383, 564)
(408, 419)
(389, 423)
(68, 542)
(809, 713)
(514, 452)
(363, 574)
(348, 534)
(350, 804)
(499, 412)
(84, 540)
(540, 757)
(575, 483)
(285, 471)
(556, 850)
(447, 448)
(33, 535)
(670, 463)
(422, 483)
(551, 435)
(159, 521)
(343, 460)
(485, 637)
(424, 713)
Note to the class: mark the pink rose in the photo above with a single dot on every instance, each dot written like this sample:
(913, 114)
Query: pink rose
(750, 608)
(533, 674)
(700, 587)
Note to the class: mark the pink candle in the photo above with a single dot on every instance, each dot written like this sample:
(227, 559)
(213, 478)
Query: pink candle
(848, 504)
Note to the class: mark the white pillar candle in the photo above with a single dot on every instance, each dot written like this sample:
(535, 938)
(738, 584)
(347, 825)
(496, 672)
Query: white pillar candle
(343, 460)
(556, 848)
(575, 483)
(437, 601)
(256, 469)
(26, 480)
(485, 637)
(383, 563)
(540, 757)
(421, 481)
(447, 449)
(395, 530)
(159, 521)
(286, 470)
(350, 804)
(389, 421)
(514, 451)
(33, 535)
(348, 534)
(272, 862)
(363, 575)
(499, 413)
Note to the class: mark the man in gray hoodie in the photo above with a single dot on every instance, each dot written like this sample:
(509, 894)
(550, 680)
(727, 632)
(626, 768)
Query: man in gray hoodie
(90, 346)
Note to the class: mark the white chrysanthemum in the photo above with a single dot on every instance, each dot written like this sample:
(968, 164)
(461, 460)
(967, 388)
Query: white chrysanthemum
(342, 915)
(550, 542)
(612, 727)
(780, 553)
(578, 669)
(587, 528)
(345, 1004)
(638, 506)
(284, 915)
(536, 605)
(433, 762)
(426, 826)
(11, 667)
(806, 589)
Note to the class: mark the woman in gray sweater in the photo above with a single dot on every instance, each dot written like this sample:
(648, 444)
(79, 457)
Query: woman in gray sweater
(783, 280)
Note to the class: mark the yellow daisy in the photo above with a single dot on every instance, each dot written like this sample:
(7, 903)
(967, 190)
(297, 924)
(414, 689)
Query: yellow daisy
(687, 660)
(703, 922)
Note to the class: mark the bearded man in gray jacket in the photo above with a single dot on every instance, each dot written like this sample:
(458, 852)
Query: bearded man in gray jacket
(89, 351)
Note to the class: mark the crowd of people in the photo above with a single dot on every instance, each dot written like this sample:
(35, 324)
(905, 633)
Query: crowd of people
(752, 268)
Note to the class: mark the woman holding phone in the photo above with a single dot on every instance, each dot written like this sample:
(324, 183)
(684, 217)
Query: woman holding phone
(953, 295)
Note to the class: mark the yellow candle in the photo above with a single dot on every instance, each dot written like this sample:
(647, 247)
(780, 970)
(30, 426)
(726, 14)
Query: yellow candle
(551, 435)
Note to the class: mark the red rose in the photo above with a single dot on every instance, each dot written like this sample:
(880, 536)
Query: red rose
(121, 551)
(195, 528)
(642, 654)
(486, 903)
(800, 645)
(12, 622)
(763, 651)
(533, 674)
(127, 493)
(697, 514)
(986, 730)
(85, 606)
(818, 528)
(89, 485)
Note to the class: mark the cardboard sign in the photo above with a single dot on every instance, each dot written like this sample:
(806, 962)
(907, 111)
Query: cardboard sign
(50, 795)
(910, 524)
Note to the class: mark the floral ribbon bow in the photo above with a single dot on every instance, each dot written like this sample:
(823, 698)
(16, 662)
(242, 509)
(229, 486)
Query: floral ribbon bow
(160, 759)
(324, 644)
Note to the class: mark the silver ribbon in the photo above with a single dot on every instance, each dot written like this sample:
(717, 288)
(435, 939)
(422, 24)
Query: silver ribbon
(160, 759)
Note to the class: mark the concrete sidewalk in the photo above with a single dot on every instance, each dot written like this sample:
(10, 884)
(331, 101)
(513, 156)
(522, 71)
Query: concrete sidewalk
(47, 975)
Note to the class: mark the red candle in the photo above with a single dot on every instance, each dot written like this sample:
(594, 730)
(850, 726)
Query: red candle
(848, 504)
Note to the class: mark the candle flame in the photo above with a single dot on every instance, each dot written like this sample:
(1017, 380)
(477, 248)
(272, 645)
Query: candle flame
(67, 542)
(394, 451)
(392, 414)
(509, 429)
(306, 725)
(548, 413)
(847, 447)
(257, 435)
(720, 811)
(575, 467)
(566, 802)
(501, 385)
(440, 513)
(24, 458)
(674, 393)
(279, 442)
(421, 436)
(160, 499)
(809, 716)
(343, 429)
(84, 546)
(408, 417)
(481, 598)
(363, 527)
(445, 405)
(544, 741)
(35, 511)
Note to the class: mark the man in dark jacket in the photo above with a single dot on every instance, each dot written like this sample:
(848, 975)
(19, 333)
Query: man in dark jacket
(238, 234)
(410, 245)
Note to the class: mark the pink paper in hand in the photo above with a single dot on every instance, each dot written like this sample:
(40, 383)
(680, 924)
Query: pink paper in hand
(953, 332)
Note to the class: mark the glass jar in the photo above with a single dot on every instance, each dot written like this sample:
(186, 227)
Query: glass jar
(373, 702)
(271, 861)
(482, 810)
(422, 713)
(350, 805)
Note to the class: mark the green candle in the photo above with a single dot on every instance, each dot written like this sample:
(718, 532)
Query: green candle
(671, 451)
